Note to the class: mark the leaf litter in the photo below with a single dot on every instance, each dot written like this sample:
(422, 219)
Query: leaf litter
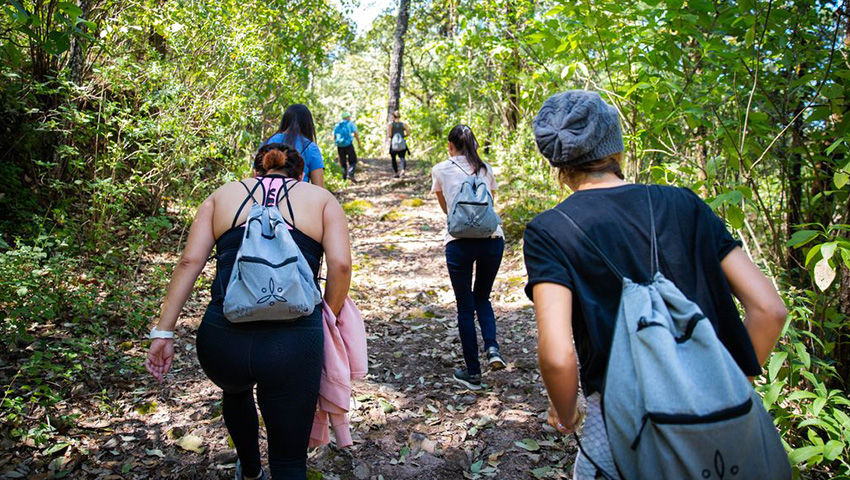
(409, 419)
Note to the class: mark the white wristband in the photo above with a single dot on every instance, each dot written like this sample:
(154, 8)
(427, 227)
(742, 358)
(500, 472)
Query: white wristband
(161, 333)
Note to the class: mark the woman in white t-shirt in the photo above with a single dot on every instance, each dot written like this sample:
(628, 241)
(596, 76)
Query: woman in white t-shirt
(463, 255)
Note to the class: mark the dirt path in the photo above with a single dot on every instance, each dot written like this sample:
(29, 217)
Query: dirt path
(409, 419)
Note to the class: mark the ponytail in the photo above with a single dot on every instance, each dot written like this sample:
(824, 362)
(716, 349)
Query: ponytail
(464, 141)
(279, 156)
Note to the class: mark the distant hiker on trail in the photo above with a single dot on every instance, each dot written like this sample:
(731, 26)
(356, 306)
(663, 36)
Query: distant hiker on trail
(639, 279)
(397, 133)
(298, 130)
(474, 242)
(343, 132)
(282, 358)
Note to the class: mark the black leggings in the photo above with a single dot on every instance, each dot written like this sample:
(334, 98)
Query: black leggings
(284, 361)
(401, 155)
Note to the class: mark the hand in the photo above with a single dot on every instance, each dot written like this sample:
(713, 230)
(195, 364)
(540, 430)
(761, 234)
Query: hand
(569, 428)
(160, 355)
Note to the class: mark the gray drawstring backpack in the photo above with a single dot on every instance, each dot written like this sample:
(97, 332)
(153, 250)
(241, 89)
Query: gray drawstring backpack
(471, 214)
(674, 402)
(271, 279)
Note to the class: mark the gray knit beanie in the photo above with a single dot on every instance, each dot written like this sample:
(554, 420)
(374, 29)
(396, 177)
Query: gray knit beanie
(577, 127)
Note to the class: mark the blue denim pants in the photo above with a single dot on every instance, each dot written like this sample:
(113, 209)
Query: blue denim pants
(484, 257)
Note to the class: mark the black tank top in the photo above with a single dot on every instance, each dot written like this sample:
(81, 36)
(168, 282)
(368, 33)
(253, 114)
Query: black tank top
(229, 242)
(397, 127)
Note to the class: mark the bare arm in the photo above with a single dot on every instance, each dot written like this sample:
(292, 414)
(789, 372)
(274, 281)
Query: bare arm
(390, 130)
(317, 177)
(406, 130)
(442, 200)
(359, 143)
(764, 309)
(337, 246)
(553, 305)
(199, 244)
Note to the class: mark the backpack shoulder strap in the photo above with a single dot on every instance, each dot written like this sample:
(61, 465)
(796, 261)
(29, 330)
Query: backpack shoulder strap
(591, 243)
(244, 202)
(461, 168)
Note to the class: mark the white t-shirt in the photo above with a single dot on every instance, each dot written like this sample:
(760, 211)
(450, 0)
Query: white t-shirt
(448, 178)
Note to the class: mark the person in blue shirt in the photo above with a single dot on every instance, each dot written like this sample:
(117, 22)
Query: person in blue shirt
(298, 131)
(343, 132)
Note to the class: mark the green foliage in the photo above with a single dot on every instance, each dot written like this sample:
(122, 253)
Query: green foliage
(799, 391)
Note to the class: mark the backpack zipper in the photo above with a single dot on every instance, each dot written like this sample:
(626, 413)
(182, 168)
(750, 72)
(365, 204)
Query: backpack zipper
(690, 419)
(264, 262)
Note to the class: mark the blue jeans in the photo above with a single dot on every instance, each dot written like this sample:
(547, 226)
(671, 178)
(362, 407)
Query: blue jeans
(485, 255)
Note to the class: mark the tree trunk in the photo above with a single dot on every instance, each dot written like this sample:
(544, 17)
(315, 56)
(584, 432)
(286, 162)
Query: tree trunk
(396, 63)
(510, 72)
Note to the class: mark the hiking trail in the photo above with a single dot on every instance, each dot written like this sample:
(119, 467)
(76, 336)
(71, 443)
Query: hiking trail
(409, 418)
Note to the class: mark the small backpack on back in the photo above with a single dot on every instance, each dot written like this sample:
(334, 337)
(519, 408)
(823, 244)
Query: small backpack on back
(398, 144)
(471, 214)
(675, 402)
(342, 135)
(271, 279)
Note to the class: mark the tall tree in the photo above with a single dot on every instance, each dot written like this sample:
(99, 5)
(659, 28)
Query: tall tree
(396, 63)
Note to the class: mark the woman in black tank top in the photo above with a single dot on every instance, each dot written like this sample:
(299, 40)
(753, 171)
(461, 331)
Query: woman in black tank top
(283, 359)
(398, 127)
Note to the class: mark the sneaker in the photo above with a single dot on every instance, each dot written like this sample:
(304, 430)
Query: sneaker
(495, 360)
(240, 476)
(472, 382)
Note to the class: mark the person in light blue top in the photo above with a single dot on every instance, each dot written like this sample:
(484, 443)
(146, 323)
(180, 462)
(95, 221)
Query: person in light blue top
(343, 132)
(298, 131)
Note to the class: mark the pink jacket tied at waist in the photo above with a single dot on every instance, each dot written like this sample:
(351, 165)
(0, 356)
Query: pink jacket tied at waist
(345, 360)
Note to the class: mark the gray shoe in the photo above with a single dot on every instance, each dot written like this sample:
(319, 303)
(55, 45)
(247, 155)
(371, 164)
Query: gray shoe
(495, 359)
(472, 382)
(240, 476)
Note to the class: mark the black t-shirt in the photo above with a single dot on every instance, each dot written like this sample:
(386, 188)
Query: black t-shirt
(692, 242)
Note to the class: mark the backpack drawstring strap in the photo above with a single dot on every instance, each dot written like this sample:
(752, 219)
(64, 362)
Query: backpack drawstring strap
(654, 264)
(592, 244)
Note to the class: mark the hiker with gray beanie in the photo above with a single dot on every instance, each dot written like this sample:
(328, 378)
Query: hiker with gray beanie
(610, 238)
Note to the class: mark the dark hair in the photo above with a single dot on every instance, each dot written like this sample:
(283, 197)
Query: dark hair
(279, 156)
(464, 140)
(297, 121)
(396, 114)
(611, 163)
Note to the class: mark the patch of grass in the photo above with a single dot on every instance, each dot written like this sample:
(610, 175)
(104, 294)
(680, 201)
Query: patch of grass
(357, 207)
(412, 202)
(391, 215)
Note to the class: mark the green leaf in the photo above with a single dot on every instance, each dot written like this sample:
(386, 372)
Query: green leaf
(832, 449)
(818, 405)
(541, 472)
(801, 237)
(775, 364)
(800, 395)
(801, 455)
(527, 444)
(476, 467)
(803, 355)
(772, 393)
(735, 216)
(841, 179)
